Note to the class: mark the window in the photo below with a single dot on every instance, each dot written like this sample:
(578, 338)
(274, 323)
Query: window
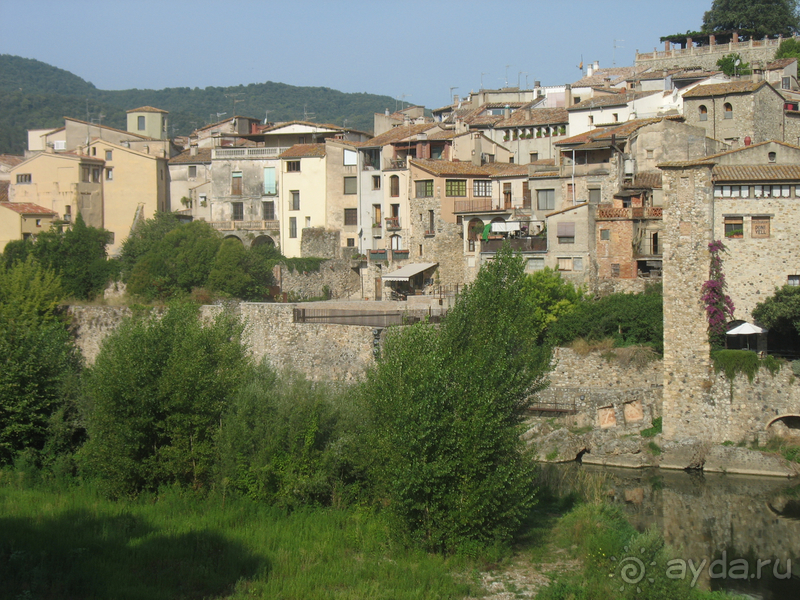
(350, 217)
(350, 185)
(565, 264)
(60, 145)
(734, 227)
(85, 174)
(534, 156)
(781, 191)
(430, 223)
(650, 154)
(546, 199)
(793, 280)
(96, 175)
(295, 200)
(238, 211)
(308, 222)
(594, 195)
(293, 166)
(424, 188)
(109, 154)
(772, 156)
(270, 186)
(566, 232)
(236, 183)
(24, 178)
(38, 222)
(605, 235)
(376, 215)
(456, 188)
(728, 110)
(203, 199)
(702, 113)
(591, 120)
(140, 123)
(394, 186)
(192, 171)
(268, 210)
(759, 227)
(350, 158)
(535, 264)
(376, 182)
(616, 118)
(292, 227)
(94, 151)
(577, 264)
(615, 270)
(786, 83)
(482, 188)
(351, 242)
(109, 174)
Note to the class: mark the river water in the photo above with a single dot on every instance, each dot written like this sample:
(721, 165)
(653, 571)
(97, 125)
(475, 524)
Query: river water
(729, 526)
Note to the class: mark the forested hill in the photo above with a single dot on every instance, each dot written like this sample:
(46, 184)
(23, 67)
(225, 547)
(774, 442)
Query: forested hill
(35, 95)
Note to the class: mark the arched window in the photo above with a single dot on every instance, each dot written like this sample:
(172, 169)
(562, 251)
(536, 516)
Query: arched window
(703, 112)
(397, 242)
(728, 110)
(474, 231)
(394, 186)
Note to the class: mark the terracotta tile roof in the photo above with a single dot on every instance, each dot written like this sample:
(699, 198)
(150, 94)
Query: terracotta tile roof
(148, 109)
(756, 173)
(781, 63)
(513, 171)
(543, 174)
(447, 134)
(482, 120)
(304, 151)
(611, 100)
(203, 156)
(712, 158)
(621, 131)
(11, 160)
(724, 89)
(650, 180)
(442, 168)
(550, 162)
(538, 116)
(398, 134)
(27, 208)
(694, 74)
(141, 137)
(4, 184)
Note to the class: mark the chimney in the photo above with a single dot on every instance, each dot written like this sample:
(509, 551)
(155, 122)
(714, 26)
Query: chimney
(596, 66)
(193, 150)
(589, 70)
(456, 99)
(528, 114)
(386, 112)
(506, 112)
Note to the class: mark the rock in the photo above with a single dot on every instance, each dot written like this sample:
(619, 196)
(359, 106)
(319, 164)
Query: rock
(560, 446)
(689, 453)
(627, 461)
(729, 459)
(617, 446)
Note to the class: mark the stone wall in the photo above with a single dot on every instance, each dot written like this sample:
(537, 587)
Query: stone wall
(337, 275)
(320, 243)
(704, 58)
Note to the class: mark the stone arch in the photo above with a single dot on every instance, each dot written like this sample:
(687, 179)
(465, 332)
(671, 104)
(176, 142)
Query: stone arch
(474, 231)
(234, 237)
(262, 240)
(784, 426)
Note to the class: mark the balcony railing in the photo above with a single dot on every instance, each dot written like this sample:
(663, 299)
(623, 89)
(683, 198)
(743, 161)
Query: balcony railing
(480, 205)
(392, 223)
(530, 244)
(377, 254)
(248, 152)
(399, 254)
(610, 213)
(245, 225)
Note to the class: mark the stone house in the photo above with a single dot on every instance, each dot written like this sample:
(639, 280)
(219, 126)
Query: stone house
(23, 220)
(190, 182)
(737, 112)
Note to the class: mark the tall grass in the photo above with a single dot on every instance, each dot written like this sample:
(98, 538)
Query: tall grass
(72, 543)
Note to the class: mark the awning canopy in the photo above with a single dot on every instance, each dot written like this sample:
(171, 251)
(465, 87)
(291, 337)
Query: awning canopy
(506, 227)
(746, 329)
(408, 272)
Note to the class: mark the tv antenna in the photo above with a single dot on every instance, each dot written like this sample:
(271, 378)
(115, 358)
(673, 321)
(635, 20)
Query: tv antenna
(482, 74)
(614, 54)
(507, 75)
(266, 116)
(401, 97)
(452, 87)
(233, 98)
(307, 116)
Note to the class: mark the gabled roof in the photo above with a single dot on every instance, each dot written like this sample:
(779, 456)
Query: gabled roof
(11, 160)
(620, 99)
(443, 168)
(603, 134)
(567, 209)
(4, 185)
(203, 156)
(781, 63)
(645, 180)
(141, 137)
(712, 158)
(27, 208)
(756, 173)
(304, 151)
(538, 116)
(725, 89)
(149, 109)
(398, 134)
(615, 74)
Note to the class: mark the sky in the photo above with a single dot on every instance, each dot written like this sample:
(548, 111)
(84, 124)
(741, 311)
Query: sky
(410, 50)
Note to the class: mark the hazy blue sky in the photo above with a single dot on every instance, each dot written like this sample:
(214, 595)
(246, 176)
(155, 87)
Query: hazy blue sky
(410, 47)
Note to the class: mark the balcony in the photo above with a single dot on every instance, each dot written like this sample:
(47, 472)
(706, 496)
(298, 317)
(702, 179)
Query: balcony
(611, 213)
(529, 244)
(479, 205)
(399, 254)
(392, 223)
(376, 255)
(394, 163)
(245, 225)
(248, 152)
(376, 230)
(648, 248)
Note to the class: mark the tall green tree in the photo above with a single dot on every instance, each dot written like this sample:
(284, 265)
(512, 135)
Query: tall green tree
(780, 312)
(446, 404)
(754, 18)
(728, 65)
(789, 48)
(38, 360)
(155, 398)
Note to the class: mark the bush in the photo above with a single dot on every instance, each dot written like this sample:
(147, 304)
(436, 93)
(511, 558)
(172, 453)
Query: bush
(155, 398)
(446, 403)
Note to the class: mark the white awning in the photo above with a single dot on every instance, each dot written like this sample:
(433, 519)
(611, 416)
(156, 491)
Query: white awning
(746, 329)
(408, 272)
(505, 227)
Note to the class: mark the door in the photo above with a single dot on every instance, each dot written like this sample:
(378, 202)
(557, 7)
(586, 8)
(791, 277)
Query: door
(378, 288)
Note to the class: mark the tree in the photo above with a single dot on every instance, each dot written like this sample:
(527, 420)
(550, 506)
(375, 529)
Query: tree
(39, 359)
(240, 272)
(789, 48)
(446, 404)
(781, 312)
(144, 238)
(728, 65)
(155, 398)
(753, 18)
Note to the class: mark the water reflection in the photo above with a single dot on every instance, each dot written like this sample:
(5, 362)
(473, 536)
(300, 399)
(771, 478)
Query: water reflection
(729, 526)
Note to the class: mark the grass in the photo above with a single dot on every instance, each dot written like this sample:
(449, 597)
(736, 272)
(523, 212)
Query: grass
(654, 448)
(654, 430)
(788, 449)
(71, 543)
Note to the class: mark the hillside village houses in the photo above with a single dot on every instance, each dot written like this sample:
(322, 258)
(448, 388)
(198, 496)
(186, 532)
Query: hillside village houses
(572, 176)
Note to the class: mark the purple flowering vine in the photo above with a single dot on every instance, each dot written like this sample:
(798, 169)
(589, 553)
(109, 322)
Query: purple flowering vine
(719, 306)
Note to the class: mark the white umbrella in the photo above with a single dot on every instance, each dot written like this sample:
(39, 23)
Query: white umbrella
(746, 329)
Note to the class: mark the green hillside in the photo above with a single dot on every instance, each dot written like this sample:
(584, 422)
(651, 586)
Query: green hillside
(36, 95)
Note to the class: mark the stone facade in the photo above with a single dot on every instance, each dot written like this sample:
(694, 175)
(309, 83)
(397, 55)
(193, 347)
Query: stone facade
(320, 243)
(338, 276)
(756, 52)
